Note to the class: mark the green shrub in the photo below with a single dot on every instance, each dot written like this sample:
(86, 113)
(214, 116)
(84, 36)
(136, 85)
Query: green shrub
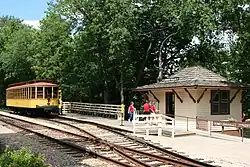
(21, 158)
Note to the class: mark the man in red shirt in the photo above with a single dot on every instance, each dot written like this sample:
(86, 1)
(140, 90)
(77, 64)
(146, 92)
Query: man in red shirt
(131, 110)
(146, 107)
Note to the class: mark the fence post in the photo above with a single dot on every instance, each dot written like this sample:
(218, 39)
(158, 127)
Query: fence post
(160, 128)
(173, 128)
(122, 113)
(187, 123)
(134, 121)
(242, 134)
(209, 128)
(70, 107)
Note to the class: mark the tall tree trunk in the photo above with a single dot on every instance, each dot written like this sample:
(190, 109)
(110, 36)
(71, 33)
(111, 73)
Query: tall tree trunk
(121, 89)
(106, 93)
(160, 57)
(1, 95)
(142, 66)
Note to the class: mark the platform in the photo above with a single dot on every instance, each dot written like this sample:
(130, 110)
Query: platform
(4, 130)
(128, 126)
(223, 152)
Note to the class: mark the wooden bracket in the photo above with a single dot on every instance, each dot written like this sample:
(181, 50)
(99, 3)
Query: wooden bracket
(154, 96)
(177, 96)
(242, 96)
(190, 95)
(214, 95)
(202, 94)
(234, 95)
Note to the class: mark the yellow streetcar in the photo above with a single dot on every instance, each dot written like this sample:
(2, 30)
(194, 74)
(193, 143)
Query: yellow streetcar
(34, 97)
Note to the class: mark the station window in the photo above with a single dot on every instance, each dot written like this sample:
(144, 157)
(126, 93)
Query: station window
(55, 92)
(48, 92)
(220, 104)
(39, 92)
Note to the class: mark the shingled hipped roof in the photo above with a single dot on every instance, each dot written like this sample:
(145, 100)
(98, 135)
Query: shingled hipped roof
(195, 76)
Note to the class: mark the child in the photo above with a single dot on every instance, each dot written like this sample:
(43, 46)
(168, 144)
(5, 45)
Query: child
(131, 110)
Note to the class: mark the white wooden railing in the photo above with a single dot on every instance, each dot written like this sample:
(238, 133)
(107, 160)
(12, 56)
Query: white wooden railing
(104, 110)
(151, 122)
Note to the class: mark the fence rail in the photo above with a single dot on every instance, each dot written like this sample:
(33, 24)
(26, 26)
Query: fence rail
(103, 110)
(151, 122)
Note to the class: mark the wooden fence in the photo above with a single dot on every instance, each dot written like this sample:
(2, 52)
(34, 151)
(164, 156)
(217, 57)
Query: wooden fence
(152, 122)
(103, 110)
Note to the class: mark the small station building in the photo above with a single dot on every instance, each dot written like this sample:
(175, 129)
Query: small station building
(197, 92)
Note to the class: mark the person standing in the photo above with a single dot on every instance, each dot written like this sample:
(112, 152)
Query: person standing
(152, 107)
(146, 108)
(131, 110)
(244, 117)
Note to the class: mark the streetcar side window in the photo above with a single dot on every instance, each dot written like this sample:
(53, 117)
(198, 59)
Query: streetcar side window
(25, 93)
(39, 92)
(33, 92)
(8, 94)
(18, 93)
(22, 93)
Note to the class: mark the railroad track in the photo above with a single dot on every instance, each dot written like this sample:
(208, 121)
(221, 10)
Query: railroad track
(146, 153)
(111, 145)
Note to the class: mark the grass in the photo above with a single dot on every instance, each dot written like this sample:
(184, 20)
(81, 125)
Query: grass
(21, 158)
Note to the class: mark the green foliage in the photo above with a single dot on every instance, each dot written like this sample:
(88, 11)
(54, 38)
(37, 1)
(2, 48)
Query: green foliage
(21, 158)
(96, 48)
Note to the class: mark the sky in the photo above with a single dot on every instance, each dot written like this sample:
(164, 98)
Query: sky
(31, 11)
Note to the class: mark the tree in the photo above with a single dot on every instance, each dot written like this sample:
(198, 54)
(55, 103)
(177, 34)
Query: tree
(52, 46)
(15, 52)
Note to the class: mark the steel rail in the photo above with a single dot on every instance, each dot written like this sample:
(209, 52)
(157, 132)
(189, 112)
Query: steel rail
(119, 148)
(71, 145)
(115, 130)
(185, 160)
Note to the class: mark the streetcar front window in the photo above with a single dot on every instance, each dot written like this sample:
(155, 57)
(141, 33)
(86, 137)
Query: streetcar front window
(55, 92)
(48, 92)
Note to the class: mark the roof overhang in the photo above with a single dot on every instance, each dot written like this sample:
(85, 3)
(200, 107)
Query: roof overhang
(31, 82)
(193, 87)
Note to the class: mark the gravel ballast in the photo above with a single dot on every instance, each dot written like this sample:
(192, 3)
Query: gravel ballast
(55, 154)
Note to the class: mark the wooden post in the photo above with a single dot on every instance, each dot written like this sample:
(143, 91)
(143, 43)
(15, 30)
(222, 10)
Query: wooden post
(160, 131)
(209, 128)
(242, 134)
(173, 128)
(147, 132)
(187, 123)
(134, 122)
(122, 113)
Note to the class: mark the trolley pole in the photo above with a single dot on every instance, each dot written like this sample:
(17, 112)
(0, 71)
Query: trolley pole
(122, 113)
